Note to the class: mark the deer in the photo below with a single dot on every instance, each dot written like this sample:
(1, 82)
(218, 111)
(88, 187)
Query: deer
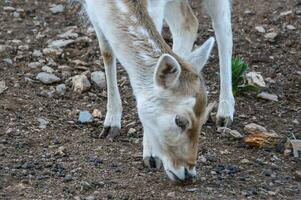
(167, 83)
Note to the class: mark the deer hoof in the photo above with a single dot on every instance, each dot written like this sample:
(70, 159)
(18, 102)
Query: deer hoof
(152, 162)
(223, 121)
(110, 133)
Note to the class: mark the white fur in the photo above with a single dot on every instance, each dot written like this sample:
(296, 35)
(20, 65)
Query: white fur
(158, 121)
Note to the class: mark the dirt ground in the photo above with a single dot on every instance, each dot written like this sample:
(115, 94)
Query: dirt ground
(67, 160)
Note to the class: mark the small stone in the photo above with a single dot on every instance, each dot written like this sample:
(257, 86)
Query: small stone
(8, 61)
(224, 130)
(9, 8)
(290, 27)
(2, 87)
(244, 161)
(68, 34)
(66, 74)
(255, 79)
(171, 195)
(34, 65)
(57, 44)
(271, 36)
(203, 159)
(260, 29)
(252, 128)
(97, 113)
(47, 78)
(47, 69)
(23, 47)
(85, 117)
(2, 48)
(37, 53)
(43, 123)
(289, 12)
(55, 9)
(16, 14)
(91, 197)
(99, 79)
(52, 51)
(68, 178)
(296, 147)
(235, 134)
(131, 131)
(80, 83)
(268, 96)
(298, 175)
(61, 89)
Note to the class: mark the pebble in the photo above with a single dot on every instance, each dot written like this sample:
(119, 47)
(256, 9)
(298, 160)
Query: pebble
(8, 61)
(255, 79)
(203, 159)
(34, 65)
(97, 113)
(268, 96)
(244, 161)
(223, 130)
(43, 123)
(252, 127)
(99, 79)
(2, 48)
(47, 69)
(171, 195)
(55, 9)
(80, 83)
(290, 27)
(68, 34)
(23, 47)
(57, 44)
(235, 134)
(298, 175)
(61, 89)
(52, 51)
(8, 8)
(37, 53)
(131, 131)
(2, 87)
(47, 78)
(271, 36)
(68, 178)
(85, 117)
(260, 29)
(91, 197)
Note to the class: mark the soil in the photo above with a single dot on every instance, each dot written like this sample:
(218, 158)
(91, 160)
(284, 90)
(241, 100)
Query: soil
(67, 160)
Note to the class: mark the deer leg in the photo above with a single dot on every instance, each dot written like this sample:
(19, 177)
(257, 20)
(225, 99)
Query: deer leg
(183, 25)
(112, 123)
(220, 12)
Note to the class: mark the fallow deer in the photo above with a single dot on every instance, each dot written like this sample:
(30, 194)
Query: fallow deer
(170, 92)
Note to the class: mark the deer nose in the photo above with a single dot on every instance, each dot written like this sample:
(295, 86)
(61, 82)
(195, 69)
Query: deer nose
(189, 176)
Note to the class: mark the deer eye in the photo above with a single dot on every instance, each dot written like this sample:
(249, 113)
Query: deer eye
(181, 122)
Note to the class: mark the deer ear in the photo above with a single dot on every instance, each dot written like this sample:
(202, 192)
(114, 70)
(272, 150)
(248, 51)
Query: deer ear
(167, 72)
(199, 57)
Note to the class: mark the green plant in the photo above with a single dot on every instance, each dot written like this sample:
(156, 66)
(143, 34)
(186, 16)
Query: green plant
(239, 84)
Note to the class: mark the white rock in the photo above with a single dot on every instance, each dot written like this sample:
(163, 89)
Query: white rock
(255, 79)
(2, 87)
(271, 35)
(268, 96)
(47, 78)
(80, 83)
(55, 9)
(68, 34)
(23, 47)
(85, 117)
(43, 123)
(131, 131)
(2, 48)
(244, 161)
(61, 89)
(290, 27)
(9, 8)
(47, 69)
(59, 43)
(260, 29)
(52, 51)
(235, 134)
(16, 14)
(252, 128)
(37, 53)
(34, 65)
(97, 113)
(99, 79)
(289, 12)
(8, 61)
